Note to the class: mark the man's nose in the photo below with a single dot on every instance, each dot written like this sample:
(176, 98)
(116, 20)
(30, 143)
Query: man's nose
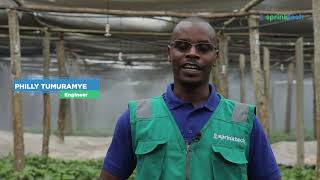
(192, 52)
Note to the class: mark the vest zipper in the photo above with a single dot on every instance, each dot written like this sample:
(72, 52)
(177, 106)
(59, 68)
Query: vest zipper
(188, 161)
(194, 139)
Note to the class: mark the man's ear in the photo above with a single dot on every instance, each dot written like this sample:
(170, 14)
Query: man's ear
(217, 57)
(217, 53)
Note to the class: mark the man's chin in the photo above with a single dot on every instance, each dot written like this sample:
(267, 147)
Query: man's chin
(191, 81)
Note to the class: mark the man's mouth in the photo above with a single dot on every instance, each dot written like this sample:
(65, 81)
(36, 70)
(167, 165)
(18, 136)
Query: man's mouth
(192, 67)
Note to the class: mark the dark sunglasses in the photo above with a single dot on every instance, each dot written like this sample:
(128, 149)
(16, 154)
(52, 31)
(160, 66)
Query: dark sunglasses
(184, 46)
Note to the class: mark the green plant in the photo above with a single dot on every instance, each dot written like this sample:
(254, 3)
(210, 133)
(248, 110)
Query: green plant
(294, 173)
(39, 168)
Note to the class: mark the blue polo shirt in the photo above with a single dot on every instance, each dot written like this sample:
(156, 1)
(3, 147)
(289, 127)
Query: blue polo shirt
(120, 160)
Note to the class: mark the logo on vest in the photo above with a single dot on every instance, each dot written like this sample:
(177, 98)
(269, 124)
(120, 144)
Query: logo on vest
(228, 138)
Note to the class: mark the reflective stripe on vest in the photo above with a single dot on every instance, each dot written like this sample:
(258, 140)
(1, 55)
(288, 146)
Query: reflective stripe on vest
(143, 108)
(240, 112)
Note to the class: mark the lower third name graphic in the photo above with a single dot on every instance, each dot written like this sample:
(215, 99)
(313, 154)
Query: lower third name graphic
(49, 86)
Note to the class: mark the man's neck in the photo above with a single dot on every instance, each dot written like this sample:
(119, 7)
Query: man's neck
(194, 94)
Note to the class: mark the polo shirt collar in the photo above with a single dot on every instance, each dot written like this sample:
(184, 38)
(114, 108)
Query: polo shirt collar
(174, 102)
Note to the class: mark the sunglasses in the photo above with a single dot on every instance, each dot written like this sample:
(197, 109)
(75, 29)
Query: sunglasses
(184, 46)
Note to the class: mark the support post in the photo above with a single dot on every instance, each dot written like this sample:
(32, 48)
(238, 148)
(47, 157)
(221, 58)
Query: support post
(289, 98)
(63, 103)
(261, 99)
(215, 76)
(266, 70)
(16, 100)
(314, 99)
(316, 30)
(267, 89)
(242, 63)
(299, 102)
(46, 96)
(223, 65)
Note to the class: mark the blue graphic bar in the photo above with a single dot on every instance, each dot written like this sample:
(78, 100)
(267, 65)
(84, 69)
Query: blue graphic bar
(54, 85)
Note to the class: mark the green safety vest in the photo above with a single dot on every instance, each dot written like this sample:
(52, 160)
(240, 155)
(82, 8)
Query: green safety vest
(220, 152)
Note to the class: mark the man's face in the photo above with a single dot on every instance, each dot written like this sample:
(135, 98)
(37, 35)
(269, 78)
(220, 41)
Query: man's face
(191, 64)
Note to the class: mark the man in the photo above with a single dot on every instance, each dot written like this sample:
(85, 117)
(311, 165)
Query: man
(190, 132)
